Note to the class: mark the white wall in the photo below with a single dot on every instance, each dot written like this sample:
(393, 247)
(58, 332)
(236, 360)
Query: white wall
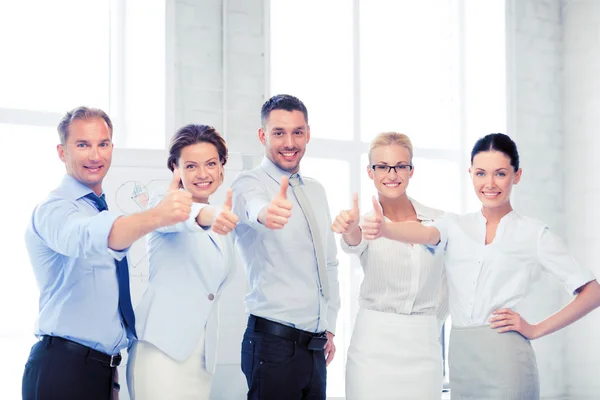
(220, 68)
(581, 24)
(535, 122)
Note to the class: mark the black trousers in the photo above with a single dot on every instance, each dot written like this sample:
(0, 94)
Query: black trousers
(52, 372)
(277, 368)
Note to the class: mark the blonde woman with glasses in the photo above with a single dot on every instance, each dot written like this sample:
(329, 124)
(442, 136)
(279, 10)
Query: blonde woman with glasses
(395, 351)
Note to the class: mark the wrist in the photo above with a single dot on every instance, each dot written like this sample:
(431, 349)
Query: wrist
(354, 230)
(155, 218)
(537, 332)
(262, 215)
(207, 215)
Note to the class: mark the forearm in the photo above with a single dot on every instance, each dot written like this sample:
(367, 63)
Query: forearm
(411, 232)
(126, 230)
(587, 300)
(353, 238)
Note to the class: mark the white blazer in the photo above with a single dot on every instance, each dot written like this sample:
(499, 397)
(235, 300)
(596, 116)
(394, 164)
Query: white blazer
(189, 268)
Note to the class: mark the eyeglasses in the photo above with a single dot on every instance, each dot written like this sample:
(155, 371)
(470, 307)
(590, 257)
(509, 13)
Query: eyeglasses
(386, 169)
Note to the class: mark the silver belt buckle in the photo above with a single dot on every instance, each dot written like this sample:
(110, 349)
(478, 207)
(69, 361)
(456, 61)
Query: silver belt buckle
(115, 360)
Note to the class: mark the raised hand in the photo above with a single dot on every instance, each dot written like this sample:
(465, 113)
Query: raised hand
(373, 224)
(176, 206)
(347, 220)
(276, 214)
(226, 220)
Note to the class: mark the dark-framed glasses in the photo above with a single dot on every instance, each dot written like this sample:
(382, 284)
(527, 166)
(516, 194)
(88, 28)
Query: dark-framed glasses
(386, 169)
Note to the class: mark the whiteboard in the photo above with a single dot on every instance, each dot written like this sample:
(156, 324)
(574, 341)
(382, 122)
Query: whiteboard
(133, 177)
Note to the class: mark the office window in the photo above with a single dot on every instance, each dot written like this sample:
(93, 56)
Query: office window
(433, 69)
(65, 54)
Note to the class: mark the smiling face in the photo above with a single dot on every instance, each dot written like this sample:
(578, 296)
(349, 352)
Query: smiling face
(285, 136)
(201, 170)
(392, 183)
(87, 152)
(493, 178)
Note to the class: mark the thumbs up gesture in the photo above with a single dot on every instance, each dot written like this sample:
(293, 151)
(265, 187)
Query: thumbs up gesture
(372, 226)
(226, 220)
(347, 220)
(276, 214)
(176, 206)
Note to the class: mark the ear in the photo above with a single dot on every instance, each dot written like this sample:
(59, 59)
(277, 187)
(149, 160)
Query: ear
(370, 172)
(262, 136)
(61, 152)
(412, 171)
(308, 134)
(517, 176)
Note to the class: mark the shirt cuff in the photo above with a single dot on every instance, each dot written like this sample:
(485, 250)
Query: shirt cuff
(191, 224)
(253, 208)
(331, 320)
(348, 249)
(99, 228)
(574, 283)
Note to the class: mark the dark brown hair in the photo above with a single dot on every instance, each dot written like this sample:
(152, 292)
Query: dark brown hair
(192, 134)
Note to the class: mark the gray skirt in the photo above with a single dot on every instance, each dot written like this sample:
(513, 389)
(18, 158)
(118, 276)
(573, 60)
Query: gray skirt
(486, 365)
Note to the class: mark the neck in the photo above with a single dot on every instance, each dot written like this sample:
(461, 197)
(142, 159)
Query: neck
(96, 189)
(398, 209)
(495, 214)
(203, 200)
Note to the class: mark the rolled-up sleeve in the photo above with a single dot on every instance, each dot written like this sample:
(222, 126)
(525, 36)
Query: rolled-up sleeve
(66, 230)
(249, 198)
(442, 224)
(556, 260)
(358, 249)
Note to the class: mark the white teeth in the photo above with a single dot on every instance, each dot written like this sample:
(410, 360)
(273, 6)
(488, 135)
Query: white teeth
(202, 184)
(391, 185)
(491, 194)
(288, 154)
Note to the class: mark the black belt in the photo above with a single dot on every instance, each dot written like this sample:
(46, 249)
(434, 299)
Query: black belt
(315, 341)
(76, 348)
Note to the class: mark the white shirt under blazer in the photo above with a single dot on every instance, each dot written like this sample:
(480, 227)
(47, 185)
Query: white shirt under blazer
(483, 278)
(189, 268)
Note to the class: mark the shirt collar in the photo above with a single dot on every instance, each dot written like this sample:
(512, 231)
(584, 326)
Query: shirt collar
(275, 172)
(423, 213)
(72, 189)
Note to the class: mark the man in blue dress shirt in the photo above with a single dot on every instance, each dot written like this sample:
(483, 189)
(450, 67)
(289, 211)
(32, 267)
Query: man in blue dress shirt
(290, 257)
(78, 252)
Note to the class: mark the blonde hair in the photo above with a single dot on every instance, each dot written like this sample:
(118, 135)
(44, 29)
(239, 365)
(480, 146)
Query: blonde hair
(389, 138)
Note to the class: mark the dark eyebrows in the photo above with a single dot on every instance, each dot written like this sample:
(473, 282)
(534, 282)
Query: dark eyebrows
(298, 128)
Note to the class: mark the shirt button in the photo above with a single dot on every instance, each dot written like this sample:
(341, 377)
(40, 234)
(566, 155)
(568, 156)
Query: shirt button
(211, 297)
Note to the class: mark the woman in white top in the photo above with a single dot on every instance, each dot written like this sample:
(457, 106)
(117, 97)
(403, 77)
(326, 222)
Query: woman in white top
(394, 352)
(492, 259)
(189, 267)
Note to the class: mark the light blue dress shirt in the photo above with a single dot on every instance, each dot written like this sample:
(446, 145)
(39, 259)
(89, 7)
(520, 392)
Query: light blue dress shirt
(189, 267)
(67, 241)
(281, 264)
